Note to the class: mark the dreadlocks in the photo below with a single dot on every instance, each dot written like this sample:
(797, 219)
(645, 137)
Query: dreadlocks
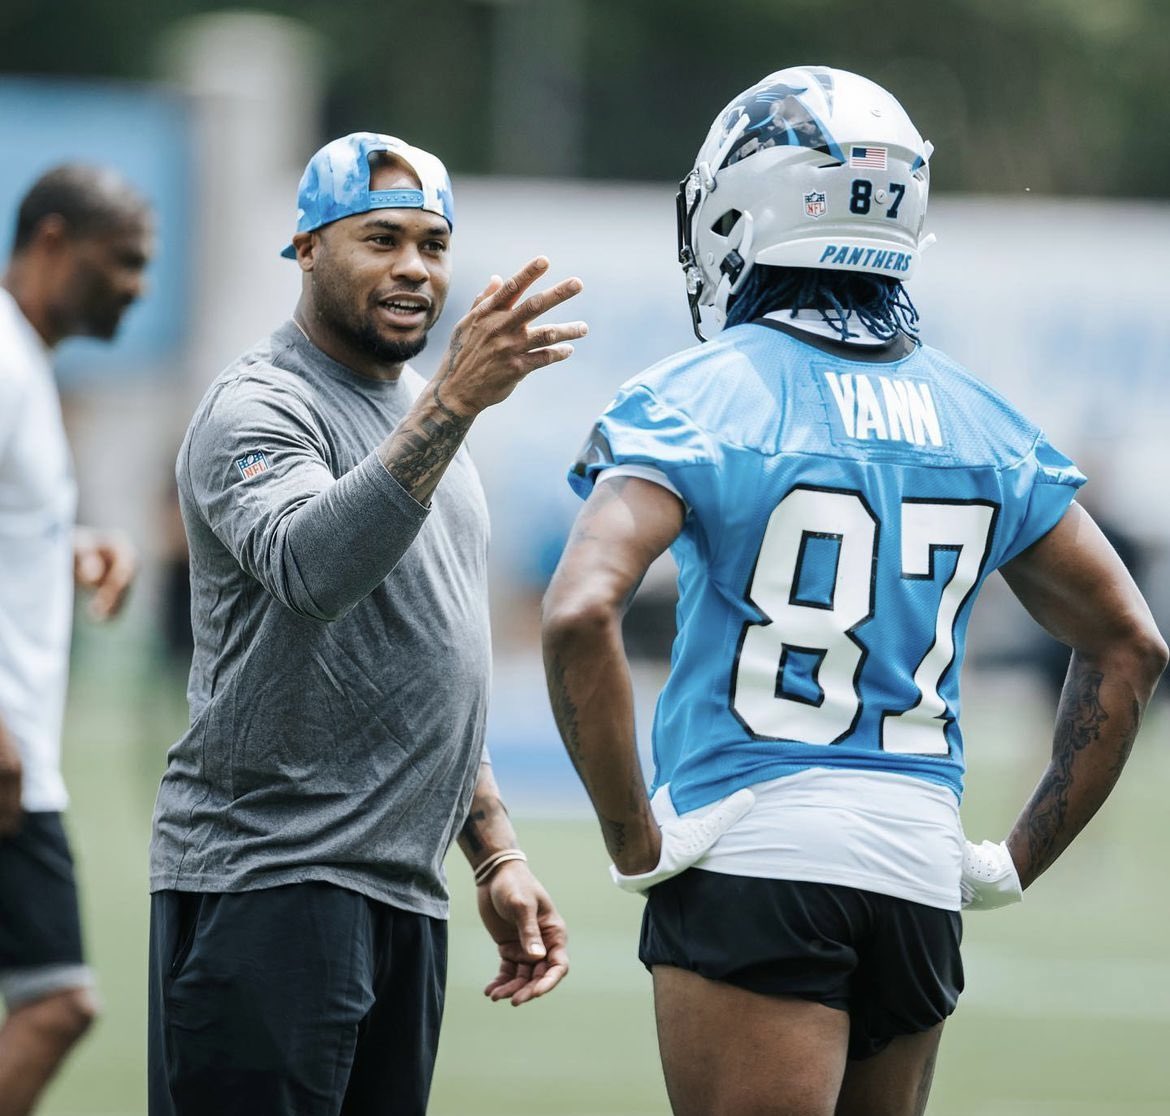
(878, 303)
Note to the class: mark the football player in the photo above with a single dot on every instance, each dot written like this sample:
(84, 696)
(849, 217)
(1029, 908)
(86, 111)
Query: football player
(835, 492)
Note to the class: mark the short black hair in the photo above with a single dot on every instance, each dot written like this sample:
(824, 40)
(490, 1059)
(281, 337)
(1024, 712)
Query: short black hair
(878, 302)
(90, 199)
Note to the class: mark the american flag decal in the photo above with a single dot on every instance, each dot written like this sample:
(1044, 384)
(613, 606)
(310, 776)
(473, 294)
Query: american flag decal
(252, 463)
(873, 157)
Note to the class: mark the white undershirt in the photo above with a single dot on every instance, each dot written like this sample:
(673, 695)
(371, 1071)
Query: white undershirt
(38, 502)
(882, 832)
(889, 833)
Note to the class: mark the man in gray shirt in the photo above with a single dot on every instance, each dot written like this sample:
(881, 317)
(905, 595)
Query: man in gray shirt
(338, 538)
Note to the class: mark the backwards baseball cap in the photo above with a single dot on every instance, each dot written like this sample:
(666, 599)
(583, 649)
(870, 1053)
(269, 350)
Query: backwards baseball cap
(336, 183)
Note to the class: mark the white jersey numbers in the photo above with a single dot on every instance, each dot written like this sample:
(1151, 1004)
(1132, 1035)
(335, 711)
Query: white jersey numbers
(928, 528)
(808, 529)
(798, 673)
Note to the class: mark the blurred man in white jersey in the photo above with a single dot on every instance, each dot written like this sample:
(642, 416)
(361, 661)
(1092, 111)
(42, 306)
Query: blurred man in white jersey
(83, 239)
(834, 492)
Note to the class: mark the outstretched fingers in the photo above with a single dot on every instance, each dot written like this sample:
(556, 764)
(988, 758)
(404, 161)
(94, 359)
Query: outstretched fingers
(504, 294)
(549, 344)
(495, 345)
(510, 289)
(493, 285)
(543, 301)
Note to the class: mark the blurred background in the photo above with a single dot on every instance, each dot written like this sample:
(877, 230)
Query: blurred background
(566, 125)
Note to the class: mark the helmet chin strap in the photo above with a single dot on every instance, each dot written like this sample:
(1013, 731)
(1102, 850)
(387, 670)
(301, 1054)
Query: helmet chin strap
(719, 305)
(734, 268)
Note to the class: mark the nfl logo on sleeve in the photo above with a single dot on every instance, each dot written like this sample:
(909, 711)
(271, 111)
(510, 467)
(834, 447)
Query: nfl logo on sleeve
(252, 463)
(815, 204)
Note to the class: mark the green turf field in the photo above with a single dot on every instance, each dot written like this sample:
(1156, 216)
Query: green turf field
(1068, 1005)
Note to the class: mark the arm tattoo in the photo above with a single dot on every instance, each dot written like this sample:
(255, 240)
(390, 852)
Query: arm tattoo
(470, 832)
(566, 714)
(614, 833)
(1079, 725)
(454, 349)
(475, 830)
(419, 453)
(564, 711)
(1135, 719)
(427, 449)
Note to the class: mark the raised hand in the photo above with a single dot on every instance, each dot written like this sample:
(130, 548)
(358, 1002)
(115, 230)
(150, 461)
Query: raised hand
(495, 345)
(492, 349)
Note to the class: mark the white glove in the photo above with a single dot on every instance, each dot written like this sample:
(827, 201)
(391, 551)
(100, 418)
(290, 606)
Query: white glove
(989, 877)
(685, 840)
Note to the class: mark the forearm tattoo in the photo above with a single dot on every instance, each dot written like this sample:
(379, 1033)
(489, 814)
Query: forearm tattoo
(453, 350)
(470, 831)
(419, 453)
(479, 822)
(564, 710)
(614, 833)
(422, 452)
(566, 714)
(1080, 723)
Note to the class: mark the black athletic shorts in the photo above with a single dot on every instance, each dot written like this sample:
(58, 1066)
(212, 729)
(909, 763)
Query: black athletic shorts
(292, 1001)
(40, 926)
(893, 965)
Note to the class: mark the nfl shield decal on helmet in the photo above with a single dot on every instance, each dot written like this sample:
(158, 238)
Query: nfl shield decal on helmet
(815, 204)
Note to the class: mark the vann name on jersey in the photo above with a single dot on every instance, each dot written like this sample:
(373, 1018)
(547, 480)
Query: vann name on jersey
(900, 410)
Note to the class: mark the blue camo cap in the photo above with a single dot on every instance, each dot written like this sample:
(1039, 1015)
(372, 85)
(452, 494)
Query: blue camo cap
(336, 183)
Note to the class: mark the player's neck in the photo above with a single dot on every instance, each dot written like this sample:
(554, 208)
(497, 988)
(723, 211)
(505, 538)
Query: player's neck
(21, 281)
(334, 345)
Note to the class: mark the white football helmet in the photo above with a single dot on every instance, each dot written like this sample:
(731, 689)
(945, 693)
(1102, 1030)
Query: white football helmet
(810, 167)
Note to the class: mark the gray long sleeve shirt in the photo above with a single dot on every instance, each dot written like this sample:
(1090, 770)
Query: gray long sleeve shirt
(342, 659)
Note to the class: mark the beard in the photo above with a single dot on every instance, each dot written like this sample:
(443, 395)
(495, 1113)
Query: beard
(102, 323)
(336, 305)
(385, 350)
(94, 308)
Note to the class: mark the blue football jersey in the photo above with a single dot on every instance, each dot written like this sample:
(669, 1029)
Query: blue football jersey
(841, 515)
